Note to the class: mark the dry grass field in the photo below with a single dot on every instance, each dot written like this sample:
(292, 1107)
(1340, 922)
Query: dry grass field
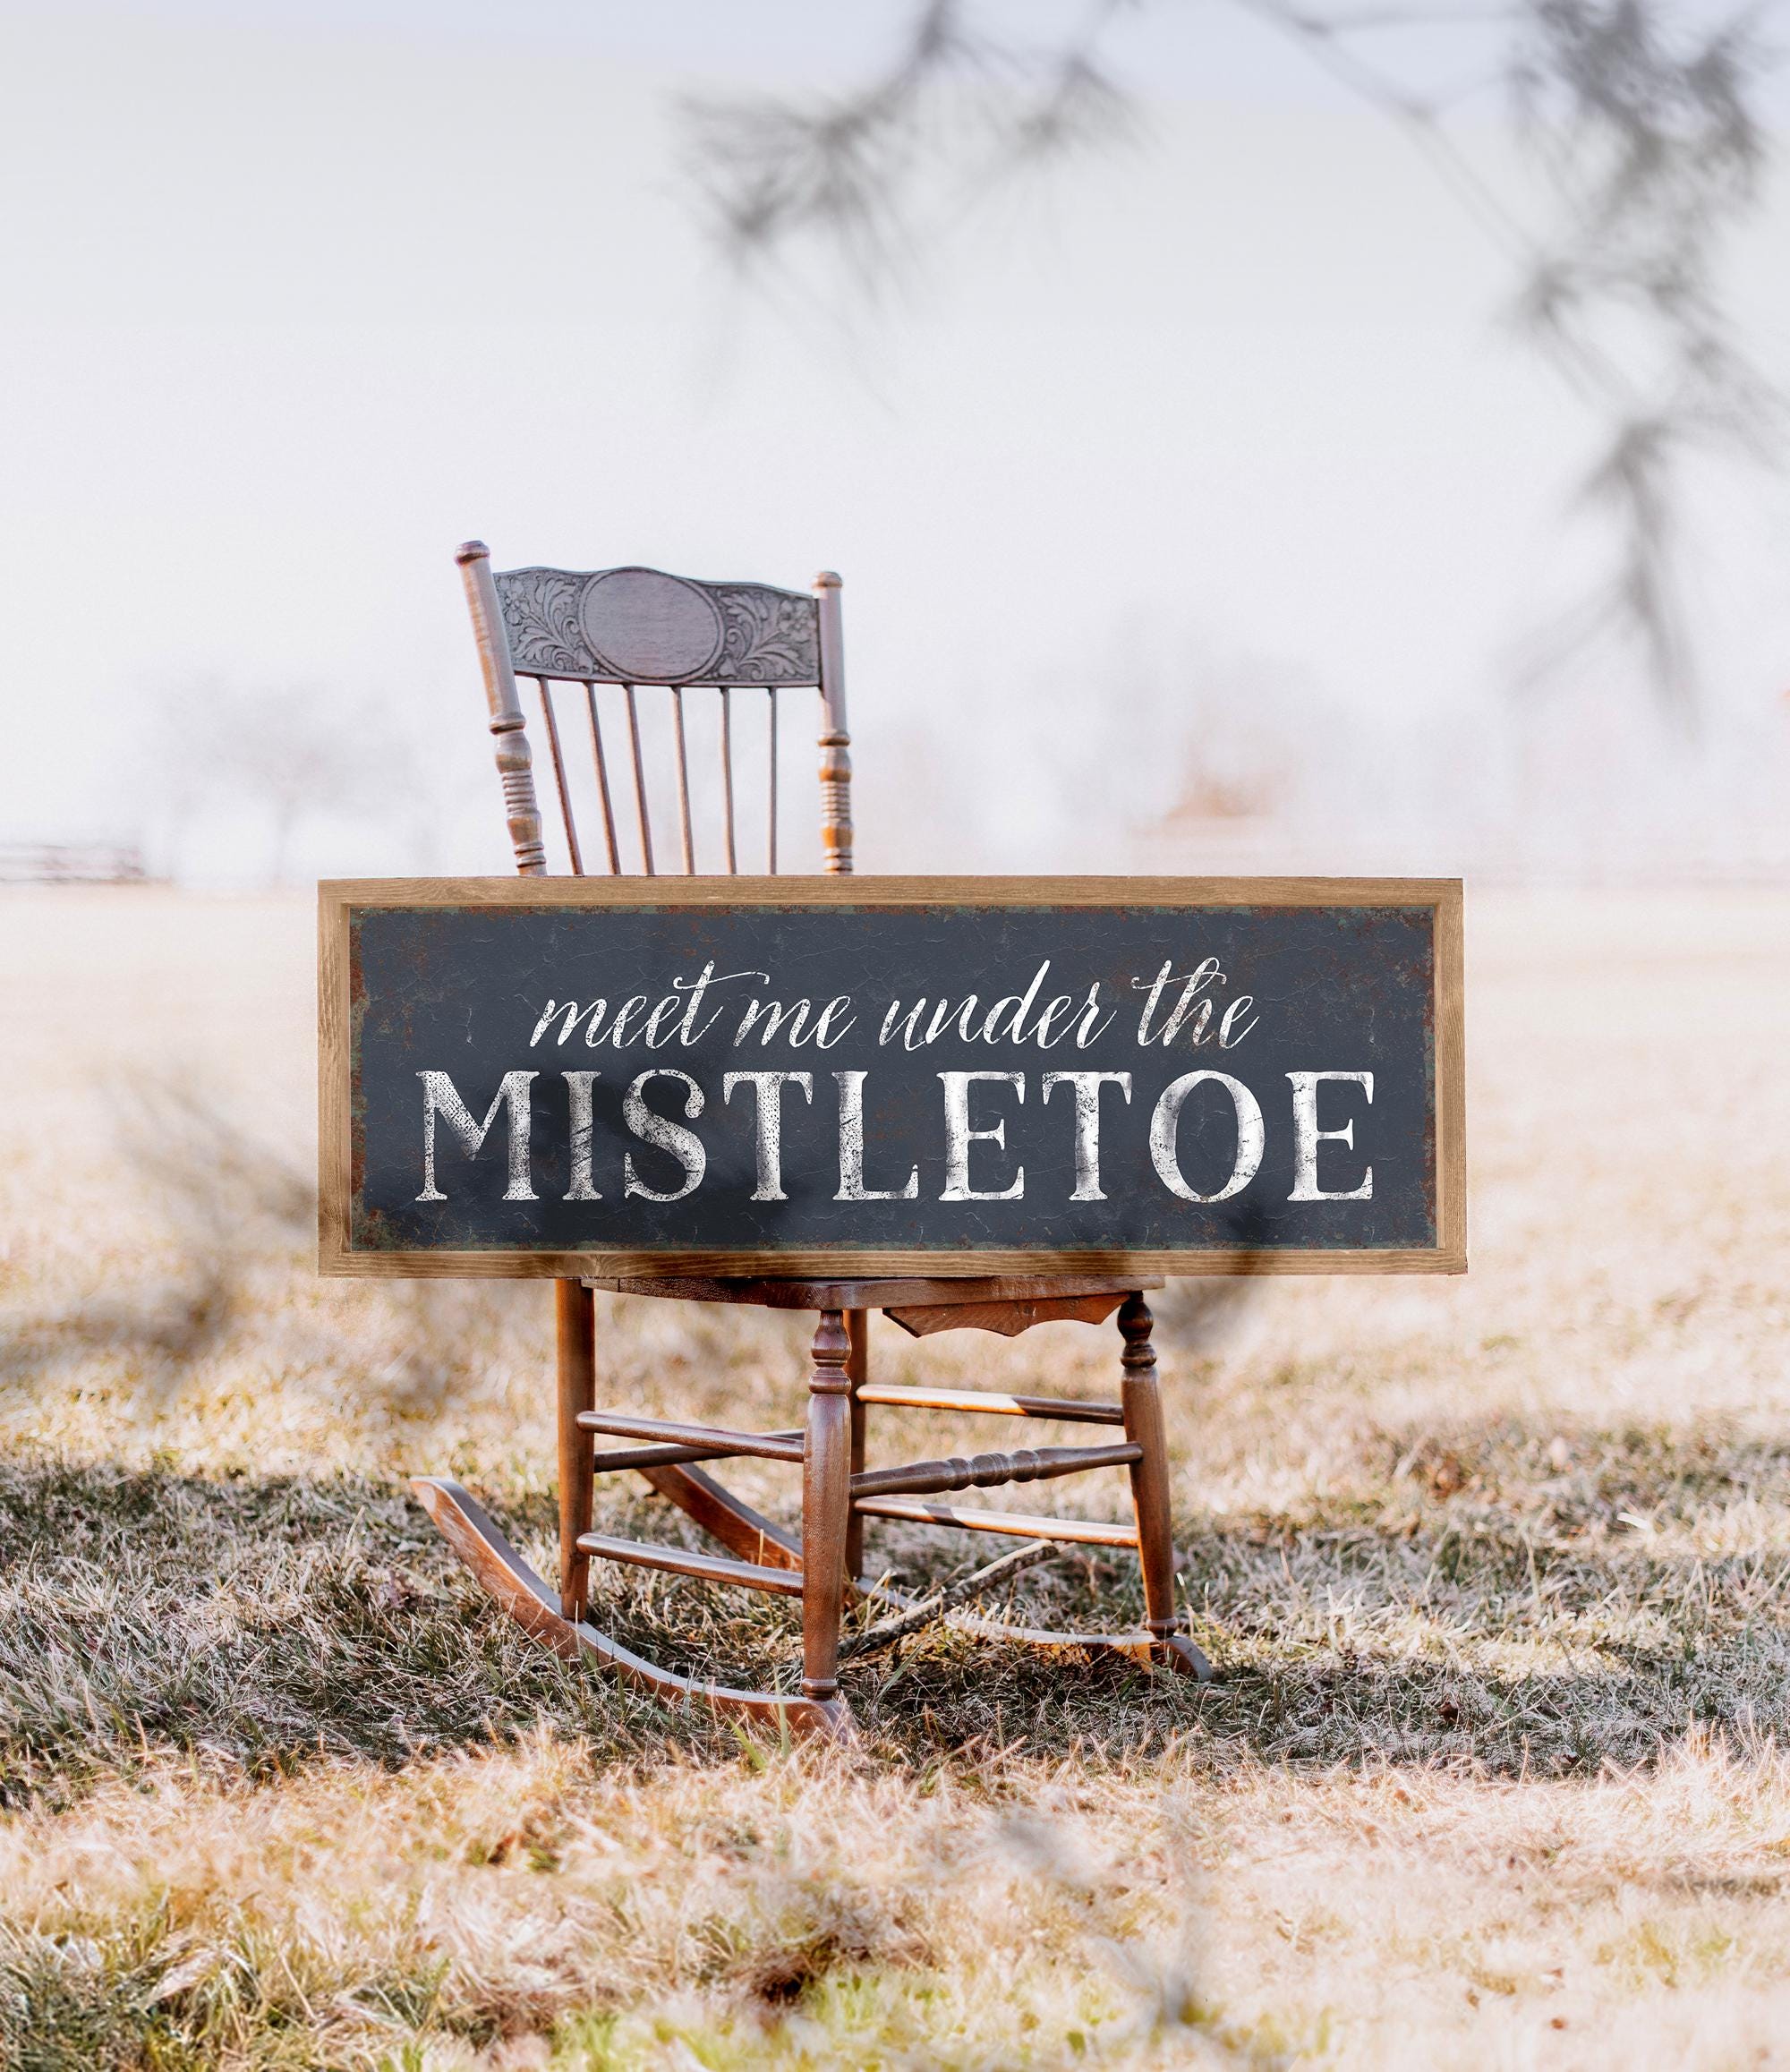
(1498, 1773)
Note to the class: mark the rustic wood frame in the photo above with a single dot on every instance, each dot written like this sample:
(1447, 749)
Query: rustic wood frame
(335, 897)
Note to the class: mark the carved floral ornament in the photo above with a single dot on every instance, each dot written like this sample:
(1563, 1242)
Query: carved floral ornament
(640, 626)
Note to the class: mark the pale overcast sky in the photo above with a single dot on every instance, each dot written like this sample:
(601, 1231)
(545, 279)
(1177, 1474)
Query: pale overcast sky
(299, 296)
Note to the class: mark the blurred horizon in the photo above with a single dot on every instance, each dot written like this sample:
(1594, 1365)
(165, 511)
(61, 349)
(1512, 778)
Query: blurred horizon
(1193, 507)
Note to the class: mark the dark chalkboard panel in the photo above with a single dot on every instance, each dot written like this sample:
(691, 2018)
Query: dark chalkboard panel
(880, 1075)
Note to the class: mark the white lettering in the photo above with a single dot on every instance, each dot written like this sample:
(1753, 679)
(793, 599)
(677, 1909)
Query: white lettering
(1021, 1003)
(1090, 1023)
(767, 1088)
(773, 1014)
(1228, 1038)
(572, 1014)
(620, 1035)
(826, 1034)
(1192, 983)
(1088, 1086)
(1306, 1137)
(1164, 1126)
(687, 1031)
(439, 1098)
(684, 1144)
(578, 1097)
(851, 1187)
(959, 1136)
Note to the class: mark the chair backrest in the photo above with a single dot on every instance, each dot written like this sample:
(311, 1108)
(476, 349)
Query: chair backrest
(638, 628)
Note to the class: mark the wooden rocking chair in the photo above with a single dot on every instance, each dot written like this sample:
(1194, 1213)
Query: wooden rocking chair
(637, 627)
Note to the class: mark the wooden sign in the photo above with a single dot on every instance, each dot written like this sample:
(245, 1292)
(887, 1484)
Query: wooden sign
(866, 1076)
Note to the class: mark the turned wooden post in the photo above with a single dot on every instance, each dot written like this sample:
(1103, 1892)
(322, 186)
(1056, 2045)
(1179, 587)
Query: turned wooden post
(516, 765)
(1143, 1405)
(857, 1372)
(575, 1313)
(826, 1504)
(835, 741)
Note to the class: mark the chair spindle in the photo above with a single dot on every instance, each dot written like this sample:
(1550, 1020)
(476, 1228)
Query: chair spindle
(603, 782)
(727, 780)
(640, 785)
(683, 782)
(559, 777)
(771, 822)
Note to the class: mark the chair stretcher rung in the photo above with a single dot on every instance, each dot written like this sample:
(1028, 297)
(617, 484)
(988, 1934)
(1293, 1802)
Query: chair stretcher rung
(986, 1470)
(1071, 1531)
(762, 1446)
(625, 1457)
(994, 1405)
(680, 1561)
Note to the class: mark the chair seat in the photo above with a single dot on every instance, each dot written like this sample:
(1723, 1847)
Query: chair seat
(907, 1293)
(1003, 1303)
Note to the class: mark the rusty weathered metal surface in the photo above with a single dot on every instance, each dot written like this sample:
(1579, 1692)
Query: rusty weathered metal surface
(472, 991)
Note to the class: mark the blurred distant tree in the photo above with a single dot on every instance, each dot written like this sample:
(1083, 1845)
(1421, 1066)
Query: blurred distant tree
(288, 753)
(1640, 123)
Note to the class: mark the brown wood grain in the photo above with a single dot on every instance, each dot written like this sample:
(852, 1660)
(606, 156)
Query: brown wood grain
(1006, 1316)
(602, 1267)
(1451, 1080)
(988, 1402)
(335, 1138)
(889, 891)
(1142, 1397)
(626, 1460)
(826, 1505)
(857, 1373)
(988, 1471)
(684, 1561)
(576, 1365)
(622, 1425)
(781, 1292)
(1073, 1531)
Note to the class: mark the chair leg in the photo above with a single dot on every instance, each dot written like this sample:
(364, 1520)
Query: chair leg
(857, 1371)
(1143, 1405)
(575, 1310)
(826, 1505)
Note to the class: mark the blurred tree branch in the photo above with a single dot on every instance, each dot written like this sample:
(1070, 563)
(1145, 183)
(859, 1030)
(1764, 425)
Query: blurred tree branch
(1641, 126)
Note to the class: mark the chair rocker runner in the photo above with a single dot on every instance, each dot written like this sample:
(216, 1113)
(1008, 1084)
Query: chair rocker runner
(635, 629)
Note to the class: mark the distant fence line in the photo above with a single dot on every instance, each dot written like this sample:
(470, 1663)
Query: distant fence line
(71, 863)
